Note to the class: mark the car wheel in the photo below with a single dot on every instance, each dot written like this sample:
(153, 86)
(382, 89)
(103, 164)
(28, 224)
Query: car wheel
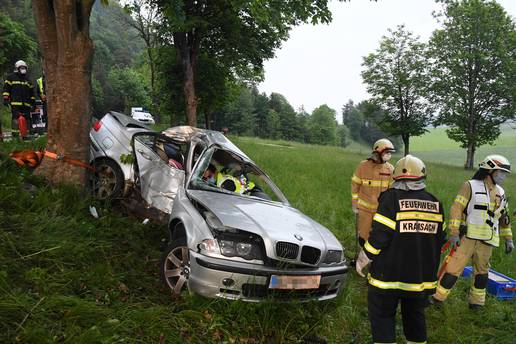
(175, 266)
(107, 182)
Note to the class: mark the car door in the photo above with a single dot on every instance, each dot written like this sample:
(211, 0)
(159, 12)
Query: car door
(159, 182)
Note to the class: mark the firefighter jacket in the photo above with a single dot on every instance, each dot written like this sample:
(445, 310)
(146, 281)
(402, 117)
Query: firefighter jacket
(19, 91)
(405, 243)
(482, 207)
(369, 180)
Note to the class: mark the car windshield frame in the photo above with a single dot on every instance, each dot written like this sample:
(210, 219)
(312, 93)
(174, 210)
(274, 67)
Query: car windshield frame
(197, 183)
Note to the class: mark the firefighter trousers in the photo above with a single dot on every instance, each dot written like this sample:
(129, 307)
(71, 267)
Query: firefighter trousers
(480, 254)
(364, 225)
(382, 316)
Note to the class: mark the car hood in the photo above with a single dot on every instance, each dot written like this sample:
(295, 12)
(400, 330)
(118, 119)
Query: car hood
(271, 220)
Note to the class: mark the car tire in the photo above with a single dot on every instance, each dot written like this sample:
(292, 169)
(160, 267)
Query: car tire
(107, 181)
(175, 266)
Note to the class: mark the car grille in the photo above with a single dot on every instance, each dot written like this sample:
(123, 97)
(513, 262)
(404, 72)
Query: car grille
(263, 292)
(287, 250)
(310, 255)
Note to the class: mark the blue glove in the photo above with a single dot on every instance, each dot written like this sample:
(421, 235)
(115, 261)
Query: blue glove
(454, 240)
(509, 246)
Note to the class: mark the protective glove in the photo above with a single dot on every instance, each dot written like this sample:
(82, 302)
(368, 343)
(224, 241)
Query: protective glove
(509, 246)
(362, 262)
(354, 208)
(454, 240)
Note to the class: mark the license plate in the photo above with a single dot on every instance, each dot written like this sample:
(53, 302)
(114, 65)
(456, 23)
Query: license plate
(294, 282)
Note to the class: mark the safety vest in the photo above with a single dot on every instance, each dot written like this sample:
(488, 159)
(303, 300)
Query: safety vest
(40, 86)
(239, 188)
(482, 218)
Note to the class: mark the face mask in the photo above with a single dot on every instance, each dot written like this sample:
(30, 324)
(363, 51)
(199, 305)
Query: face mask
(23, 71)
(499, 177)
(386, 157)
(212, 180)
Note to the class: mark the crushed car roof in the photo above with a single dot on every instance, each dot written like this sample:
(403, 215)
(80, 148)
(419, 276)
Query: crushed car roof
(186, 133)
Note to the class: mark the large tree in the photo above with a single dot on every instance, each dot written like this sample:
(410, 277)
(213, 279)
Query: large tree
(474, 72)
(396, 76)
(67, 50)
(238, 34)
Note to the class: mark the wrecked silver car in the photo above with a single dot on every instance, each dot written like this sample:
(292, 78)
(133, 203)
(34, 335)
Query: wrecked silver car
(232, 232)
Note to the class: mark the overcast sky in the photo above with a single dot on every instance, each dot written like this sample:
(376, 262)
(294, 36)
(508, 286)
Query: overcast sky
(321, 64)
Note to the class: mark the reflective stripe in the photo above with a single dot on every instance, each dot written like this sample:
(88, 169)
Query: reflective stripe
(20, 103)
(369, 248)
(385, 221)
(442, 290)
(505, 232)
(419, 215)
(409, 342)
(24, 83)
(479, 292)
(354, 196)
(401, 285)
(375, 183)
(7, 82)
(366, 204)
(461, 200)
(355, 179)
(6, 93)
(384, 343)
(455, 224)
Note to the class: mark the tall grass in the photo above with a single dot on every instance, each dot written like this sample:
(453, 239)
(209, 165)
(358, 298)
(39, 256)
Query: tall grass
(67, 277)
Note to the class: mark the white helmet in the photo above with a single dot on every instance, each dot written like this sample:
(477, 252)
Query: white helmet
(383, 146)
(19, 64)
(496, 162)
(409, 168)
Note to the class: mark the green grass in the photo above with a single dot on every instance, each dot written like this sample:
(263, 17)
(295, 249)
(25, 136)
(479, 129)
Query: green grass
(67, 277)
(435, 146)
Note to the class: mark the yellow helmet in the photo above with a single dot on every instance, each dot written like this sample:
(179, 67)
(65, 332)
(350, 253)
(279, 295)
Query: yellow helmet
(410, 168)
(496, 162)
(383, 146)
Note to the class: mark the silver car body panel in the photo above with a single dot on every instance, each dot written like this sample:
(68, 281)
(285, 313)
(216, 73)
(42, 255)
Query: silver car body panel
(113, 139)
(272, 221)
(159, 182)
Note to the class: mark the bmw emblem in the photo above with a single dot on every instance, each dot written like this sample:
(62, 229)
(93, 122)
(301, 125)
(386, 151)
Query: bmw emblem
(298, 237)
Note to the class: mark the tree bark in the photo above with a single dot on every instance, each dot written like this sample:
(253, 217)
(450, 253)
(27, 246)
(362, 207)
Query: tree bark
(187, 45)
(63, 35)
(406, 143)
(470, 156)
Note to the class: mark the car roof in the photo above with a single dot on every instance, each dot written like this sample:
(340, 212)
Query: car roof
(187, 133)
(127, 121)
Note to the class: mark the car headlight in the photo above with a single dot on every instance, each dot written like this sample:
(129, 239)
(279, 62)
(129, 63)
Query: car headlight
(333, 256)
(235, 248)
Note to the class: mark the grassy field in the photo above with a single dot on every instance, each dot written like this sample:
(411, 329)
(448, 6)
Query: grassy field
(67, 277)
(435, 146)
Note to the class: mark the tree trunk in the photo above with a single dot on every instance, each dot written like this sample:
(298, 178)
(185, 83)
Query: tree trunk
(63, 35)
(406, 143)
(189, 90)
(187, 45)
(470, 156)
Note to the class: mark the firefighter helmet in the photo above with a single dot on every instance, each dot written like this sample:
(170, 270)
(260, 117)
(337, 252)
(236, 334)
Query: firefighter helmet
(410, 168)
(496, 162)
(383, 146)
(19, 64)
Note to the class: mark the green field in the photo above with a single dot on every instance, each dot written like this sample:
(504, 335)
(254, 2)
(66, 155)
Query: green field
(435, 146)
(67, 277)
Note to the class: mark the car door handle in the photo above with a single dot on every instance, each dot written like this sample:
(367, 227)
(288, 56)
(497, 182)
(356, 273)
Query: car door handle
(144, 155)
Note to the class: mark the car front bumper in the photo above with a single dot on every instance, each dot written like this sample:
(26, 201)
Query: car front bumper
(250, 282)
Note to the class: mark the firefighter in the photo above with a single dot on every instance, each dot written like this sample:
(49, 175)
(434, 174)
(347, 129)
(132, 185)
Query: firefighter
(482, 205)
(372, 177)
(19, 94)
(404, 250)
